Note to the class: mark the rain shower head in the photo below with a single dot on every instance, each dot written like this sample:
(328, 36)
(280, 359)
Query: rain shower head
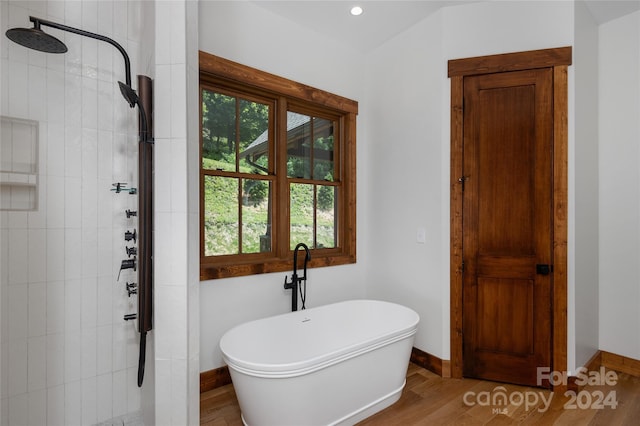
(35, 38)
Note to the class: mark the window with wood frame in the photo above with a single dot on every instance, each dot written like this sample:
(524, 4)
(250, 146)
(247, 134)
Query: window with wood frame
(277, 168)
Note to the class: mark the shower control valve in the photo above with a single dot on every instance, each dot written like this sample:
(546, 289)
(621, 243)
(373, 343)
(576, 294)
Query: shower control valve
(128, 236)
(132, 288)
(127, 264)
(129, 317)
(130, 213)
(131, 251)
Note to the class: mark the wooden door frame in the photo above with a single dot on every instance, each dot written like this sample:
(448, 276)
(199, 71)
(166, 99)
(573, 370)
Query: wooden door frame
(558, 59)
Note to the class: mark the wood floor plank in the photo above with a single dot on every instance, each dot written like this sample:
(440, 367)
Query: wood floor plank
(428, 399)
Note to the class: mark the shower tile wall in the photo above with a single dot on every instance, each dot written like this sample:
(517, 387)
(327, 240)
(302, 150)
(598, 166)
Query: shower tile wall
(67, 357)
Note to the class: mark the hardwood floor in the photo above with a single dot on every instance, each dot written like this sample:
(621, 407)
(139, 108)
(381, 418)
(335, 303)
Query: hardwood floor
(430, 399)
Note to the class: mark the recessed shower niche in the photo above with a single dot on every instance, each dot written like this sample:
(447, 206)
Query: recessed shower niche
(18, 164)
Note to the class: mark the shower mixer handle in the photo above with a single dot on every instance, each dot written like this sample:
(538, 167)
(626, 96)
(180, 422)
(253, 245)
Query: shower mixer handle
(128, 236)
(132, 288)
(127, 264)
(131, 251)
(130, 317)
(130, 213)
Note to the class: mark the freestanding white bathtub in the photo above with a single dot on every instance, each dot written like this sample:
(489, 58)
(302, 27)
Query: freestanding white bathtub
(334, 364)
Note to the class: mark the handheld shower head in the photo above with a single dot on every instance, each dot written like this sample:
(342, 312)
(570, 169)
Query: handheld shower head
(129, 94)
(35, 38)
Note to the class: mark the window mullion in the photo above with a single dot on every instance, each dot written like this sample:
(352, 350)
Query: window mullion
(281, 199)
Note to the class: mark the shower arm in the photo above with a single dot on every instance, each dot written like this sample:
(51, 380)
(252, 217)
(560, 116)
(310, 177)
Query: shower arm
(37, 22)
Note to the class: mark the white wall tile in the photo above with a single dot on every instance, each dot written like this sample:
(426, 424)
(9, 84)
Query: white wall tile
(179, 391)
(72, 306)
(88, 353)
(73, 402)
(18, 311)
(104, 395)
(72, 356)
(104, 311)
(119, 395)
(105, 104)
(89, 252)
(177, 46)
(37, 248)
(163, 100)
(89, 401)
(105, 157)
(18, 255)
(37, 303)
(89, 101)
(104, 349)
(133, 391)
(37, 363)
(73, 151)
(19, 409)
(55, 99)
(55, 359)
(55, 254)
(55, 406)
(37, 86)
(72, 253)
(89, 303)
(72, 96)
(17, 374)
(18, 88)
(55, 202)
(55, 307)
(38, 407)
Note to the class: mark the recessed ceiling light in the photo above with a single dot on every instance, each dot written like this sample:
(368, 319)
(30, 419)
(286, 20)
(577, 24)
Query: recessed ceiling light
(356, 10)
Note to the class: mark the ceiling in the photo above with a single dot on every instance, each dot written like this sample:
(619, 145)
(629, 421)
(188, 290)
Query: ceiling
(382, 20)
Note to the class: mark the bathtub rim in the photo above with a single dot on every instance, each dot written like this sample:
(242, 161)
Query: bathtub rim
(286, 371)
(309, 365)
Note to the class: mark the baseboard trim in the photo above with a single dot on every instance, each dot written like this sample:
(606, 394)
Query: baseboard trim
(215, 378)
(608, 360)
(430, 362)
(620, 363)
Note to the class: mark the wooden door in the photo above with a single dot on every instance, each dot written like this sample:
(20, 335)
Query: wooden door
(507, 225)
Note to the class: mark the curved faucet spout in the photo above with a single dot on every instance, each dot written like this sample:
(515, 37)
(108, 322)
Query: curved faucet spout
(294, 285)
(307, 258)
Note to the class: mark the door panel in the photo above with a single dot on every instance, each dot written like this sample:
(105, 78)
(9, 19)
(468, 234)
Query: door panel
(507, 225)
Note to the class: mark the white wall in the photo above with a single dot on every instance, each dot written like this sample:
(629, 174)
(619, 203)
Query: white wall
(408, 117)
(619, 155)
(273, 44)
(585, 54)
(67, 355)
(407, 177)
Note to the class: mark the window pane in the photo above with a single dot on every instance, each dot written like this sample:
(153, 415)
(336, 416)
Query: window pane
(256, 216)
(326, 216)
(298, 145)
(254, 137)
(301, 214)
(218, 131)
(220, 215)
(322, 149)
